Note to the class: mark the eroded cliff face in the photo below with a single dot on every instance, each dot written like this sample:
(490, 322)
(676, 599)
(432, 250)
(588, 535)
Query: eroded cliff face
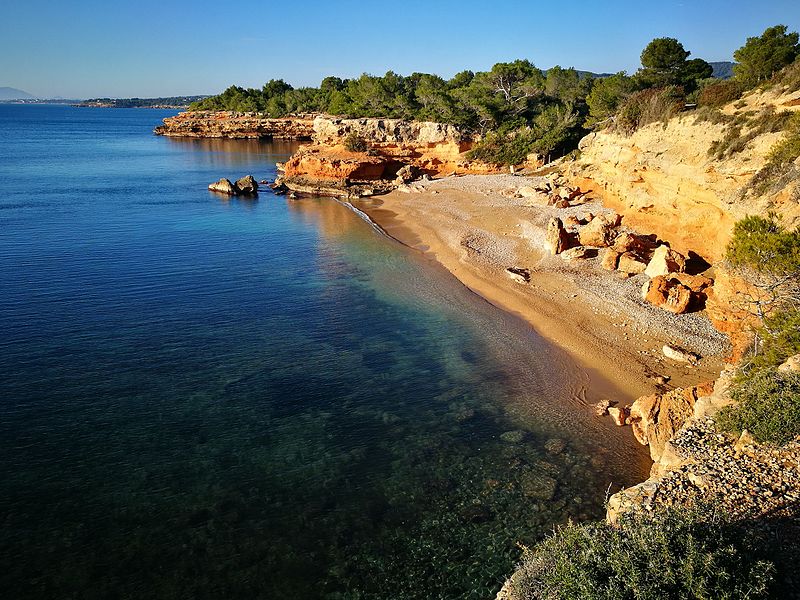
(663, 179)
(434, 149)
(235, 125)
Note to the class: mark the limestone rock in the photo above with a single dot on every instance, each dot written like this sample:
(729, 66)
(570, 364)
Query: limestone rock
(246, 186)
(223, 186)
(598, 232)
(792, 364)
(745, 441)
(575, 253)
(665, 261)
(655, 419)
(522, 276)
(634, 242)
(555, 445)
(631, 263)
(668, 293)
(537, 485)
(557, 237)
(601, 408)
(610, 259)
(619, 415)
(407, 173)
(236, 125)
(678, 354)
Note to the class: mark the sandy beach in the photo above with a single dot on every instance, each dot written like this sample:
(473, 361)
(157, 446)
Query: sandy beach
(476, 228)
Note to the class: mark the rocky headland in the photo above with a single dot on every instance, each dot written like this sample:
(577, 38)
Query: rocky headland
(235, 125)
(387, 153)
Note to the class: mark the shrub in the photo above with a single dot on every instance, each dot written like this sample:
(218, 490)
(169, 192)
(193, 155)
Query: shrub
(789, 76)
(675, 553)
(767, 256)
(768, 407)
(744, 128)
(719, 94)
(780, 339)
(355, 143)
(780, 161)
(504, 149)
(649, 106)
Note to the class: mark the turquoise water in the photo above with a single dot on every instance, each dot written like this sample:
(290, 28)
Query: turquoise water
(217, 398)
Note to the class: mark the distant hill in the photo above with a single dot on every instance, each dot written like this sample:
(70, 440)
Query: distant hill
(723, 69)
(9, 93)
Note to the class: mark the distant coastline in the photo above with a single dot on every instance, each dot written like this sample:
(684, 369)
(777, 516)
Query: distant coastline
(172, 102)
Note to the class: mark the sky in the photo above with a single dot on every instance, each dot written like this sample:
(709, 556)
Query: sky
(146, 48)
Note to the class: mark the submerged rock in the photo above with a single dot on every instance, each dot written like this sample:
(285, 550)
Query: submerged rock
(514, 437)
(537, 485)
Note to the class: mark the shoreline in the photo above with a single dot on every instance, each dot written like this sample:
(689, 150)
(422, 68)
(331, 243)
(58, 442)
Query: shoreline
(436, 219)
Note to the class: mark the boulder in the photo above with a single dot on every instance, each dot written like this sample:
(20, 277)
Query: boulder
(655, 419)
(601, 408)
(575, 253)
(557, 237)
(665, 261)
(598, 232)
(792, 364)
(246, 186)
(407, 173)
(678, 354)
(519, 275)
(529, 191)
(668, 293)
(572, 221)
(619, 415)
(631, 263)
(697, 283)
(633, 242)
(223, 186)
(610, 259)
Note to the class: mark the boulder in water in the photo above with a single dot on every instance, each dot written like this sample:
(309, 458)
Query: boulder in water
(246, 186)
(223, 186)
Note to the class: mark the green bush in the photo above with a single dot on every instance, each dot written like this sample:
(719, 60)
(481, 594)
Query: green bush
(675, 553)
(720, 93)
(780, 339)
(355, 143)
(779, 166)
(649, 106)
(768, 407)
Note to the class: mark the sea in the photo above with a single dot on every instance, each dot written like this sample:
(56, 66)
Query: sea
(213, 397)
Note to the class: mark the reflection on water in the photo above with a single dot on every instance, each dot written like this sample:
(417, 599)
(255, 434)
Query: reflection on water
(224, 152)
(209, 398)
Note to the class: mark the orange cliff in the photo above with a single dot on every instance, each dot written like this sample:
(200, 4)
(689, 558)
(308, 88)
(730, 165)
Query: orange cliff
(326, 166)
(663, 179)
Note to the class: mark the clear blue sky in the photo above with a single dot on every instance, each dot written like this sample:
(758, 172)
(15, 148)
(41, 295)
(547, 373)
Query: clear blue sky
(147, 48)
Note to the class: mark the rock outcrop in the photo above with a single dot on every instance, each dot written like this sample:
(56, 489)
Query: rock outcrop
(663, 179)
(245, 186)
(236, 125)
(397, 152)
(656, 418)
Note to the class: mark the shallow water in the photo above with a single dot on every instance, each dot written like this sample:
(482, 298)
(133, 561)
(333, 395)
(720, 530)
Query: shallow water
(217, 398)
